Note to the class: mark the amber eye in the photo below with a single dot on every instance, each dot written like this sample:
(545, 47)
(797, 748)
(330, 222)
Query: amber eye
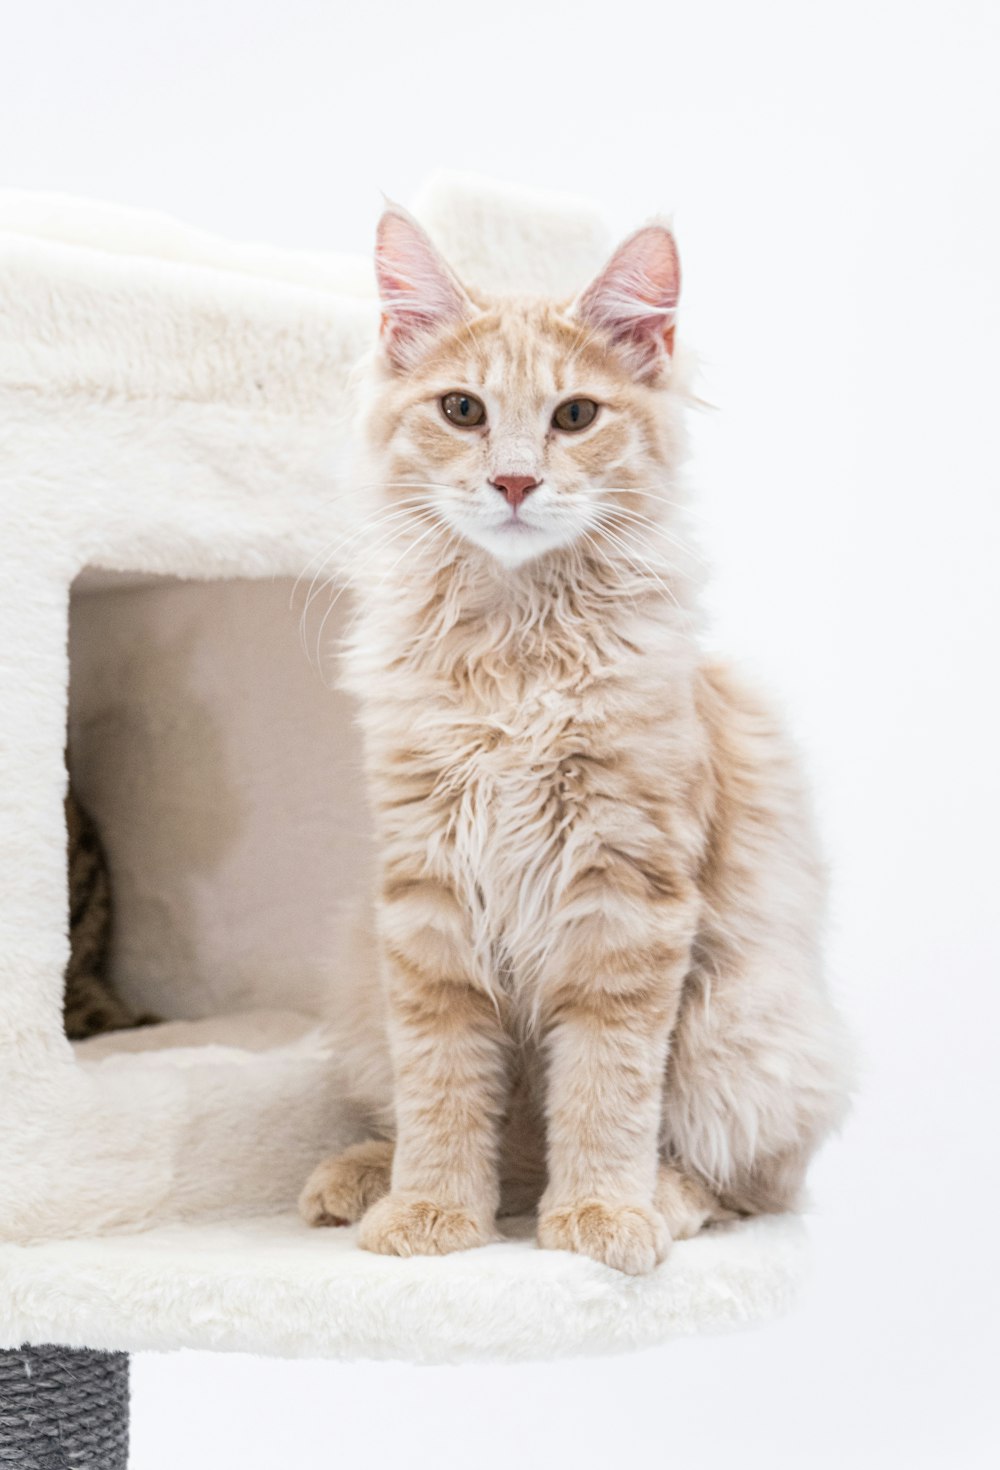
(575, 413)
(464, 410)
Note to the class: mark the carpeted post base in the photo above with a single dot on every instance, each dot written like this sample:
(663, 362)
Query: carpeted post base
(63, 1409)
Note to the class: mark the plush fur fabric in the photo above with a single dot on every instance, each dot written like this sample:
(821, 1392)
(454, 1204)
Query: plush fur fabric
(266, 1284)
(169, 408)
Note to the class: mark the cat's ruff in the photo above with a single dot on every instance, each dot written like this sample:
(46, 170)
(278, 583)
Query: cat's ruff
(168, 402)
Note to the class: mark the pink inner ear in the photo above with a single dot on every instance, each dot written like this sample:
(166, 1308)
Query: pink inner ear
(634, 299)
(418, 292)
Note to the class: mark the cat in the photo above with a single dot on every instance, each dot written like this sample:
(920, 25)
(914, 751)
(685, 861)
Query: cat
(90, 1003)
(599, 899)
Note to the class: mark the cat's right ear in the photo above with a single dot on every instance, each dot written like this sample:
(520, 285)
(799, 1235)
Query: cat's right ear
(419, 294)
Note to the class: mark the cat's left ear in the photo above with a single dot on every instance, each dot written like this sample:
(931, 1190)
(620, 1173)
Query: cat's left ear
(634, 299)
(420, 295)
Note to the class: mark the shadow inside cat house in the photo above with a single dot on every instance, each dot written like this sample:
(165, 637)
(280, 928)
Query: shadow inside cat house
(216, 831)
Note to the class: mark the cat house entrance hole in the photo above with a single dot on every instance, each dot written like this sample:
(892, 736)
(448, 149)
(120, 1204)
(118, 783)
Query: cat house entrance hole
(223, 777)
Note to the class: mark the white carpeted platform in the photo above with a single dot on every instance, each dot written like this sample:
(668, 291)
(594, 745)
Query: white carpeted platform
(267, 1284)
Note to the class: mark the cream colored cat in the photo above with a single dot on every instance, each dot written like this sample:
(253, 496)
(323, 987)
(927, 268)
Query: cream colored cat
(599, 897)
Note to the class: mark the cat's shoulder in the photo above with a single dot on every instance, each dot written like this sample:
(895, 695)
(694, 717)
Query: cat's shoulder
(741, 716)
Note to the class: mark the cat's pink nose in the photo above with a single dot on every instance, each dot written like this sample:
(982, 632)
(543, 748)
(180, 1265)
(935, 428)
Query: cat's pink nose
(515, 487)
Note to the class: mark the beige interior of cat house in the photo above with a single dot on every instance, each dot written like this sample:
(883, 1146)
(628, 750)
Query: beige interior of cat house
(172, 407)
(223, 771)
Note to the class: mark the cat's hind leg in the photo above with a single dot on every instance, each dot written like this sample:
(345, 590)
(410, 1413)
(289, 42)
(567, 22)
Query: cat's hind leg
(341, 1188)
(686, 1203)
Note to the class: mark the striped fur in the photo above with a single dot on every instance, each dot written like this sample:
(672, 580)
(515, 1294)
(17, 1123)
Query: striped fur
(598, 874)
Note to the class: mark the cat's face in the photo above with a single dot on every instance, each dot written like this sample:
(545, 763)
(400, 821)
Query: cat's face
(524, 425)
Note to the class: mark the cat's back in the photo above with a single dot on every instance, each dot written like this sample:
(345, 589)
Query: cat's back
(762, 847)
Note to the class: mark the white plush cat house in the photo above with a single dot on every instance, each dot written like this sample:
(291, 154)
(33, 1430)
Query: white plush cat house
(170, 429)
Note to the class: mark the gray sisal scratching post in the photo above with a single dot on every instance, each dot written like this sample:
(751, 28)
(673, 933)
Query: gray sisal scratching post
(63, 1409)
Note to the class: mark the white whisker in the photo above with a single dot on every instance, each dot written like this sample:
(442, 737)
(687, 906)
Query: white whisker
(436, 525)
(619, 512)
(375, 522)
(325, 553)
(639, 563)
(415, 519)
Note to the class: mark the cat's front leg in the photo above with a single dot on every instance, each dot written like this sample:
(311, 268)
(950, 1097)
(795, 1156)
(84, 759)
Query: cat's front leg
(610, 1015)
(449, 1061)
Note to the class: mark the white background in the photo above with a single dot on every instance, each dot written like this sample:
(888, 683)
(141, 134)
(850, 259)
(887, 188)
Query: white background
(832, 170)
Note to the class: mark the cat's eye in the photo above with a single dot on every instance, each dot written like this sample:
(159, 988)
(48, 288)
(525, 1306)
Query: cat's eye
(575, 413)
(464, 410)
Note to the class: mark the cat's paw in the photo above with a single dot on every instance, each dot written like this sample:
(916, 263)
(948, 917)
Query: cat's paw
(631, 1238)
(406, 1225)
(342, 1188)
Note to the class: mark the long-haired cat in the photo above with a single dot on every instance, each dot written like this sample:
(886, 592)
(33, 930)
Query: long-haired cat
(599, 899)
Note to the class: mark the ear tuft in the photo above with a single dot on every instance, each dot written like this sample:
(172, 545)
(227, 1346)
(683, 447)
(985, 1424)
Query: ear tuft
(419, 294)
(635, 297)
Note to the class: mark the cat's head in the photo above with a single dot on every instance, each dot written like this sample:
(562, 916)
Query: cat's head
(525, 424)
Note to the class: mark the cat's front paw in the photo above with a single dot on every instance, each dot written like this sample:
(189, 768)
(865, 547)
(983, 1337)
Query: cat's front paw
(406, 1225)
(631, 1238)
(342, 1188)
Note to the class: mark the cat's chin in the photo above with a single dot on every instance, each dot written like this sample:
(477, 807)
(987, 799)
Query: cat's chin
(514, 544)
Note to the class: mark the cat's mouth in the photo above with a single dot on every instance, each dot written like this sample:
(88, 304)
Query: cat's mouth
(513, 534)
(515, 539)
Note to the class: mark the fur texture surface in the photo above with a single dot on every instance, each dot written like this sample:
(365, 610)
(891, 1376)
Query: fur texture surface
(169, 407)
(598, 880)
(265, 1284)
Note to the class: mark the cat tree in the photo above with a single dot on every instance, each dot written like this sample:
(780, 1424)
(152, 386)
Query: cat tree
(169, 435)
